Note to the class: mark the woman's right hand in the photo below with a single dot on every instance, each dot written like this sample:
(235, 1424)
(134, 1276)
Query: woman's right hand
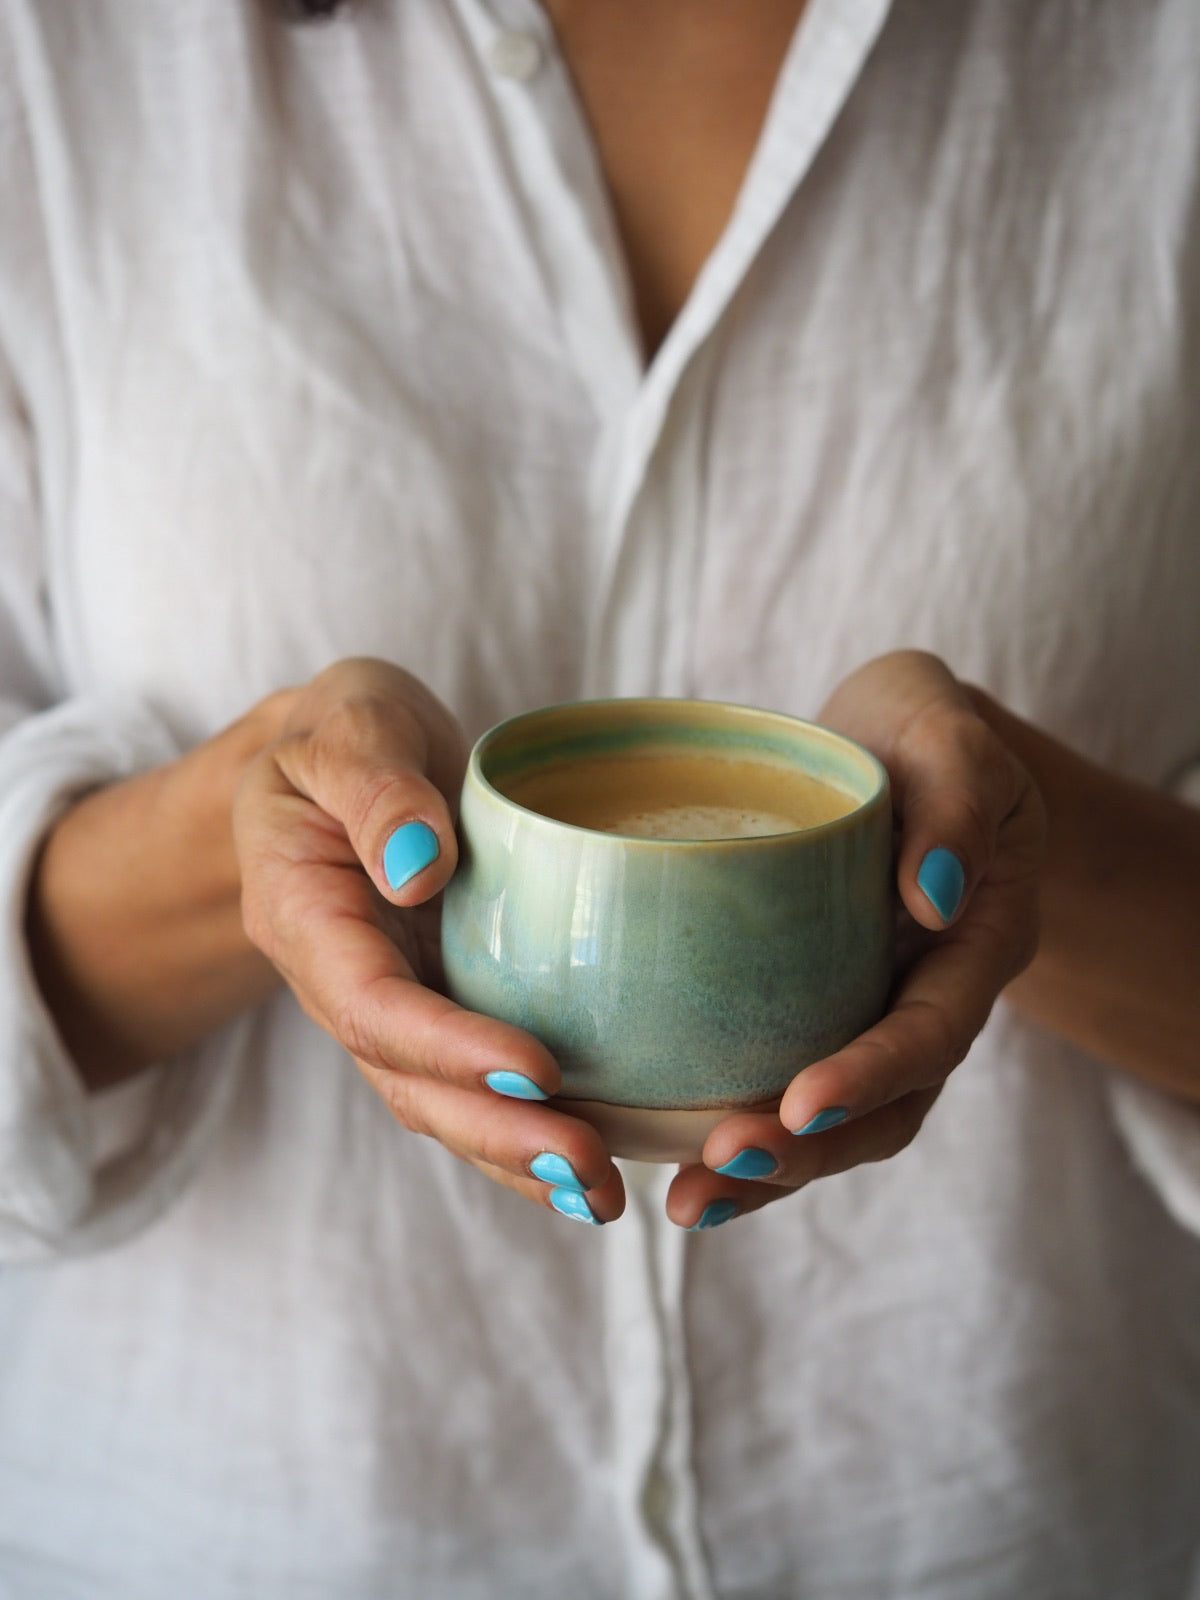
(345, 839)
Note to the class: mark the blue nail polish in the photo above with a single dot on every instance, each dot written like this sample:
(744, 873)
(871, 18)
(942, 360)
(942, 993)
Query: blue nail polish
(829, 1118)
(412, 847)
(751, 1163)
(941, 881)
(515, 1085)
(714, 1214)
(569, 1203)
(556, 1169)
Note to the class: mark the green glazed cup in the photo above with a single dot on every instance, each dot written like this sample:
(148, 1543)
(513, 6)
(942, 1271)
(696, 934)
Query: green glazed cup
(674, 980)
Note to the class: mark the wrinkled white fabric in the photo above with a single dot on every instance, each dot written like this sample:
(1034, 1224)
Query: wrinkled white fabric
(317, 342)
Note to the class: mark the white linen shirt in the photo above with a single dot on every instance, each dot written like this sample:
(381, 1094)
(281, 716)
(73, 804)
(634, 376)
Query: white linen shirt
(317, 342)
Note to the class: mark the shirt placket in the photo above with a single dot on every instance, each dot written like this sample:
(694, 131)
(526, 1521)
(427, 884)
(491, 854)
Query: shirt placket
(559, 188)
(650, 518)
(642, 551)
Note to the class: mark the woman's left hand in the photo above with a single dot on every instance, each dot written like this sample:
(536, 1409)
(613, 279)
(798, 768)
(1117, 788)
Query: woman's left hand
(971, 833)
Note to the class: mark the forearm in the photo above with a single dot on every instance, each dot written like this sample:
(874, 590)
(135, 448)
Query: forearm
(134, 918)
(1118, 966)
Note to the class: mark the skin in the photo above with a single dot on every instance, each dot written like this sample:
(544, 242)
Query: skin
(1098, 875)
(138, 965)
(163, 906)
(675, 93)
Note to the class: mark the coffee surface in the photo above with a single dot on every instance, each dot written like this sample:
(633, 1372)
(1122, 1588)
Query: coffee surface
(673, 795)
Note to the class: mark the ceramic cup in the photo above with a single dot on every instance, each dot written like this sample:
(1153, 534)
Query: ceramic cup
(673, 979)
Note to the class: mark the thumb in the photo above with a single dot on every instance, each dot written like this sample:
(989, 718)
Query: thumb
(364, 765)
(957, 787)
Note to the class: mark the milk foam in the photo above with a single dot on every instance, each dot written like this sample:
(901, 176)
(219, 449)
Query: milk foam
(701, 822)
(679, 795)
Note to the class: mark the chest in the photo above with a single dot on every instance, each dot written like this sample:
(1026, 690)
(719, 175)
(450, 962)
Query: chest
(331, 397)
(675, 97)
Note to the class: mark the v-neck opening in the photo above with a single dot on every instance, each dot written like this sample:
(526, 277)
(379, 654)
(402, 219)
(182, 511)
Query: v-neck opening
(714, 122)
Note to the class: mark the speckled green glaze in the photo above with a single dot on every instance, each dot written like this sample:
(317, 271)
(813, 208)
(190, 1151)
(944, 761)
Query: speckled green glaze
(672, 973)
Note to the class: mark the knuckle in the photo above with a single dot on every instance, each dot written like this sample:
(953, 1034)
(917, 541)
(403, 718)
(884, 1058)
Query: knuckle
(892, 1058)
(978, 820)
(352, 1022)
(369, 796)
(288, 758)
(347, 678)
(942, 1045)
(359, 736)
(490, 1144)
(358, 721)
(987, 783)
(441, 1046)
(349, 722)
(341, 729)
(940, 724)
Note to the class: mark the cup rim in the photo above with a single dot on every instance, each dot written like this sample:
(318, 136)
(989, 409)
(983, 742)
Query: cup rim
(648, 704)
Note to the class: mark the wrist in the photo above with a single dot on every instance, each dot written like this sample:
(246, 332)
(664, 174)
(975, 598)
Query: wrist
(1120, 912)
(134, 908)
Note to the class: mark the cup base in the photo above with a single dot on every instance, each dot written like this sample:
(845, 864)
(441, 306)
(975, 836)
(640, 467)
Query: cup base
(645, 1133)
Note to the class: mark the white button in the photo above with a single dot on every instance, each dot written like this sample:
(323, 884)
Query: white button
(515, 55)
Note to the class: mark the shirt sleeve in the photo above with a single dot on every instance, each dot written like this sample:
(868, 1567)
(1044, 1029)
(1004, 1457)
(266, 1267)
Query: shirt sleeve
(77, 1170)
(1161, 1130)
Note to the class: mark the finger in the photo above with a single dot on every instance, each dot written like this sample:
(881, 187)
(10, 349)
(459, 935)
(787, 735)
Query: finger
(955, 784)
(355, 982)
(364, 764)
(557, 1160)
(752, 1146)
(596, 1207)
(941, 1006)
(701, 1198)
(699, 1202)
(318, 918)
(756, 1146)
(312, 910)
(957, 788)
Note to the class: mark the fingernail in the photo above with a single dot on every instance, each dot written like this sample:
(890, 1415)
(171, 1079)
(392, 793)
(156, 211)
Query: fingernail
(714, 1214)
(515, 1085)
(941, 881)
(751, 1163)
(829, 1118)
(412, 847)
(552, 1168)
(570, 1203)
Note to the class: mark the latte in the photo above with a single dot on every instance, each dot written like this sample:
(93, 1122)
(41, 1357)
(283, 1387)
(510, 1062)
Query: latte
(669, 794)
